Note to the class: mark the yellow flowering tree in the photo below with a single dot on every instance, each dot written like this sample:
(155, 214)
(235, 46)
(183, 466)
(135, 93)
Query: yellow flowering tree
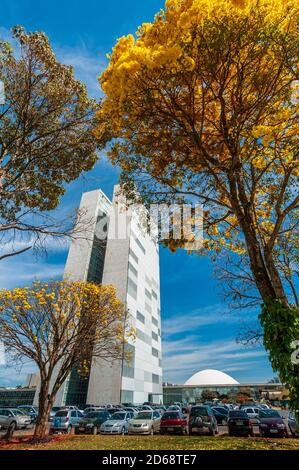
(46, 142)
(202, 105)
(59, 325)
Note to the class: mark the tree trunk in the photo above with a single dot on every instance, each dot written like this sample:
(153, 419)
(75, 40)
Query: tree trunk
(44, 408)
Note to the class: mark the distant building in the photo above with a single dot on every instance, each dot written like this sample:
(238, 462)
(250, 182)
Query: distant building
(116, 251)
(32, 380)
(221, 385)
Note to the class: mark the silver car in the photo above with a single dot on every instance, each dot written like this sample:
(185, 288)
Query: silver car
(14, 419)
(146, 422)
(65, 421)
(118, 423)
(252, 412)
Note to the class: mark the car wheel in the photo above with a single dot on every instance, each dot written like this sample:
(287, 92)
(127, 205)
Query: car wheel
(12, 427)
(291, 431)
(212, 432)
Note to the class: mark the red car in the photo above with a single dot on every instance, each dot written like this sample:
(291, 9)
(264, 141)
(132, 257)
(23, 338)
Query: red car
(173, 421)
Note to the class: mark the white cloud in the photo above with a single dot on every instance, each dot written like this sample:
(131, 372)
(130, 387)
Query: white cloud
(184, 357)
(87, 66)
(13, 376)
(18, 271)
(210, 315)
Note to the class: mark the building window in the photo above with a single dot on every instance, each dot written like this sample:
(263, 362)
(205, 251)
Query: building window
(132, 270)
(143, 337)
(129, 363)
(132, 288)
(155, 352)
(148, 294)
(155, 378)
(155, 321)
(134, 257)
(127, 396)
(140, 317)
(155, 336)
(154, 295)
(139, 243)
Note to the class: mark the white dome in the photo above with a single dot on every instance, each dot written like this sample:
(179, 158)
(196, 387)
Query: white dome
(211, 377)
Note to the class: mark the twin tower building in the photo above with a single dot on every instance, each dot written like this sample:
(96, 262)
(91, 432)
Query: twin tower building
(118, 251)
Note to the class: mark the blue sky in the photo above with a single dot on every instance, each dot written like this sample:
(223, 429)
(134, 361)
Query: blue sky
(198, 330)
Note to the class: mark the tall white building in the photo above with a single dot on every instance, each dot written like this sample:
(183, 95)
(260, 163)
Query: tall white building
(127, 258)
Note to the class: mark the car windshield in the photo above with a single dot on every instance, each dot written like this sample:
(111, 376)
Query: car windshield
(61, 414)
(172, 415)
(269, 414)
(199, 411)
(144, 415)
(117, 416)
(220, 410)
(18, 412)
(237, 414)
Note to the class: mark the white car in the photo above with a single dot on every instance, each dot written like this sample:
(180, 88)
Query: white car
(118, 423)
(253, 412)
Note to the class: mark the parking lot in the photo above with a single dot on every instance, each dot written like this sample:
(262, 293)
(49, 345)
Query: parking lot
(223, 430)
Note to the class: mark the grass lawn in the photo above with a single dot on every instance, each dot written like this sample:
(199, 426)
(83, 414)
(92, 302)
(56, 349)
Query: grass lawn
(163, 443)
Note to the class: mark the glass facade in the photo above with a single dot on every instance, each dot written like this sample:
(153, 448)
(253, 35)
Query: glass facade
(16, 396)
(77, 386)
(192, 394)
(76, 389)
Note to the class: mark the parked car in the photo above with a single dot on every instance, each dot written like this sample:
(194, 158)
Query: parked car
(146, 422)
(174, 408)
(118, 423)
(263, 406)
(111, 411)
(31, 411)
(173, 422)
(220, 414)
(239, 424)
(272, 424)
(201, 420)
(71, 407)
(146, 408)
(53, 412)
(13, 418)
(132, 409)
(92, 422)
(253, 412)
(93, 408)
(293, 424)
(65, 420)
